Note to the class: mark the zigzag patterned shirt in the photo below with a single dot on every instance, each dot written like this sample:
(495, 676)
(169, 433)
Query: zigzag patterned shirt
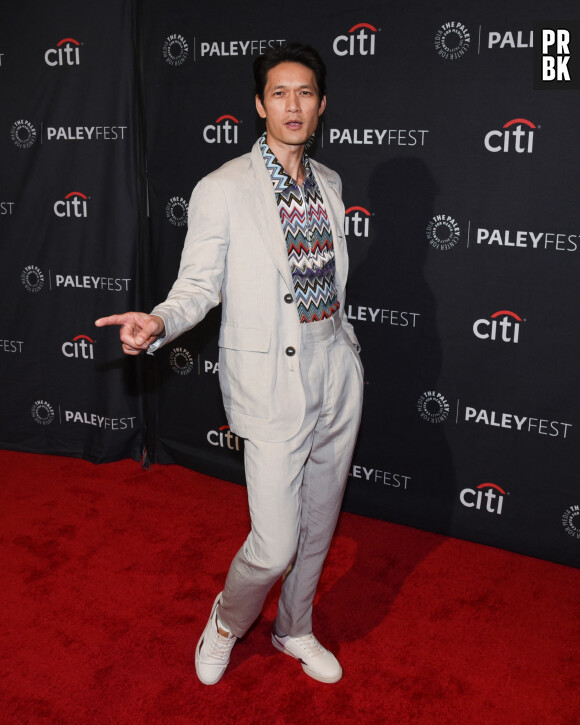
(308, 235)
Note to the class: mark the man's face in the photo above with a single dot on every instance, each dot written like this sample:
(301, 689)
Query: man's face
(291, 105)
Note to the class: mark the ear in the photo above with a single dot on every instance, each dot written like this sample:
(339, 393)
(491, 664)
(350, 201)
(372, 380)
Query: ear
(322, 106)
(260, 107)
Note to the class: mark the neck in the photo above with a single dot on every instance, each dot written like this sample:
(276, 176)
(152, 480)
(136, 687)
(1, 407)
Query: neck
(290, 157)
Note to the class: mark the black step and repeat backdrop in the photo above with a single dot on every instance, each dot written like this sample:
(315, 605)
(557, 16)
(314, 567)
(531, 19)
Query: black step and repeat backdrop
(69, 225)
(460, 181)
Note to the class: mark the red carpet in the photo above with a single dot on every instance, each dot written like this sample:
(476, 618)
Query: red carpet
(108, 574)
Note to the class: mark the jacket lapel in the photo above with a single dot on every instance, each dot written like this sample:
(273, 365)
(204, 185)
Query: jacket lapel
(259, 195)
(335, 210)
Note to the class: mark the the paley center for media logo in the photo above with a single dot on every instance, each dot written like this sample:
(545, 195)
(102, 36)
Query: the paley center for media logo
(176, 211)
(452, 40)
(33, 279)
(23, 134)
(44, 413)
(175, 49)
(443, 232)
(181, 360)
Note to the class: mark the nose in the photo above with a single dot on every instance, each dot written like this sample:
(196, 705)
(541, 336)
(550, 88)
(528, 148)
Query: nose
(293, 102)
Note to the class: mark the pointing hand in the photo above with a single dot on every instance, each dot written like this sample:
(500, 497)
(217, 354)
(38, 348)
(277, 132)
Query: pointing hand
(138, 330)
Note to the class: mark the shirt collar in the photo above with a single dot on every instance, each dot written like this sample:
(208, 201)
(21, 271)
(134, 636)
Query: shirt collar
(280, 178)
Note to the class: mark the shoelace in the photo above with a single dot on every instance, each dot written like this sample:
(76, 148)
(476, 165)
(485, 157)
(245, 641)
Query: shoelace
(220, 646)
(311, 645)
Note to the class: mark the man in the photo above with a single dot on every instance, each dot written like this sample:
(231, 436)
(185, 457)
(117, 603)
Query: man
(266, 238)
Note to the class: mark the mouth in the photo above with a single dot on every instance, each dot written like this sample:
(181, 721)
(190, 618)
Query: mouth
(294, 125)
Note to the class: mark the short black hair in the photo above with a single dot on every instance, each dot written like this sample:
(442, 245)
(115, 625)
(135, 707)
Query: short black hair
(289, 53)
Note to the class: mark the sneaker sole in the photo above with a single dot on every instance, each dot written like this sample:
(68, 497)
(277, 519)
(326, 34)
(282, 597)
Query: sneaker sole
(315, 676)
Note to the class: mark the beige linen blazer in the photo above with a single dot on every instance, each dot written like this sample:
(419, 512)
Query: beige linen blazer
(235, 252)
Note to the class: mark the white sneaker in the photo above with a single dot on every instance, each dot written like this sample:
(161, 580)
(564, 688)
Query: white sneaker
(316, 660)
(212, 654)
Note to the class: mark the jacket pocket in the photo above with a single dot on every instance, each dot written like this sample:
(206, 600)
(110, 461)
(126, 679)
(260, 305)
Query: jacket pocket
(253, 339)
(244, 370)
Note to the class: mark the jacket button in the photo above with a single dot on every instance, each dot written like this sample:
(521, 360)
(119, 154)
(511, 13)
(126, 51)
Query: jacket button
(290, 351)
(288, 298)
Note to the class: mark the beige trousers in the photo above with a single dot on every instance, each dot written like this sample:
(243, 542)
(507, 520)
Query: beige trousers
(295, 489)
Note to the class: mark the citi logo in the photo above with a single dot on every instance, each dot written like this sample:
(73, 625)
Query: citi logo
(491, 492)
(503, 325)
(65, 53)
(224, 438)
(359, 41)
(80, 347)
(73, 205)
(357, 221)
(225, 130)
(517, 134)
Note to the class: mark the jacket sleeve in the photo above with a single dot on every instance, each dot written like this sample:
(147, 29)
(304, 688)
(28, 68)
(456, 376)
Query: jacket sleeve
(197, 287)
